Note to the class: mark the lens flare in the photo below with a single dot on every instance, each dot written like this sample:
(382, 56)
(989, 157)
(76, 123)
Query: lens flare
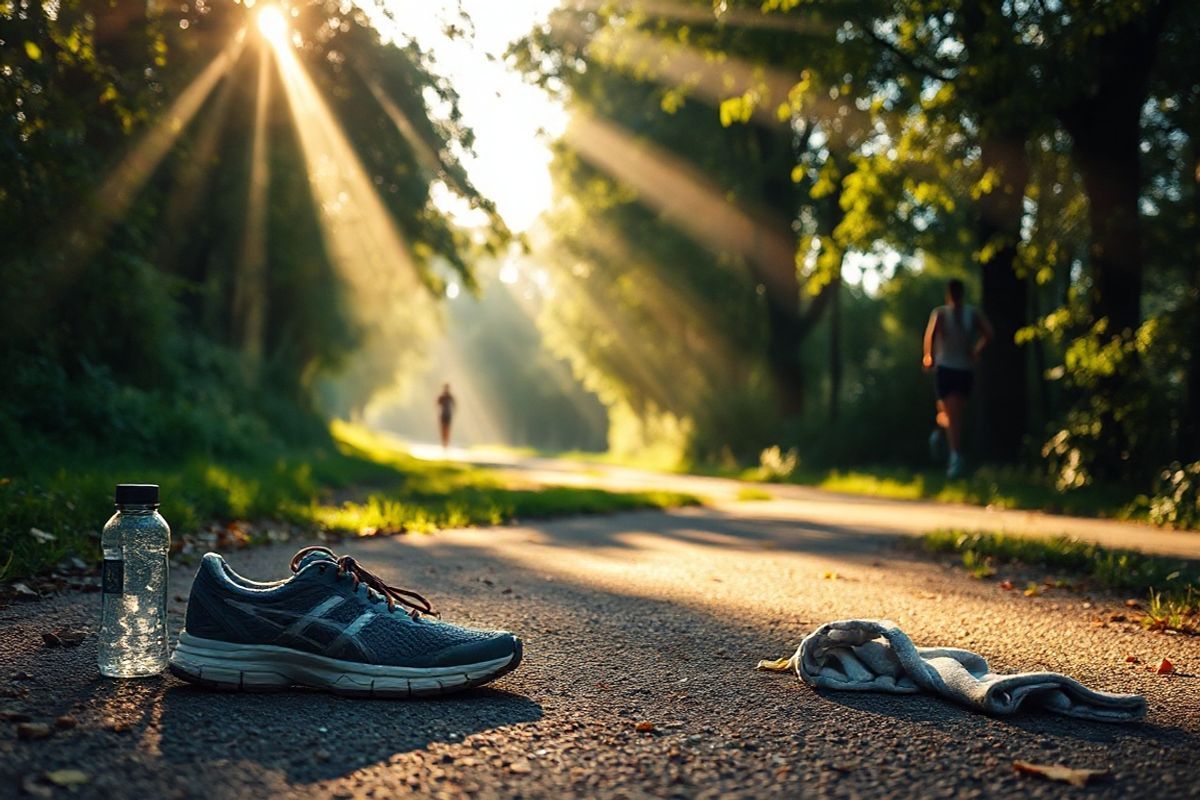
(272, 24)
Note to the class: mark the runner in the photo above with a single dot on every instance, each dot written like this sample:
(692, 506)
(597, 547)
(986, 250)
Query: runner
(446, 403)
(954, 340)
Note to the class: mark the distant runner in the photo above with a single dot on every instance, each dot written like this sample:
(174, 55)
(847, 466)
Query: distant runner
(954, 340)
(446, 403)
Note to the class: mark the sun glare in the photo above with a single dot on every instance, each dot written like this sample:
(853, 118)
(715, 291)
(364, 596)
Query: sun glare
(272, 24)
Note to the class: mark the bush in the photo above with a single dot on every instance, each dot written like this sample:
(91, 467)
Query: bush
(1176, 501)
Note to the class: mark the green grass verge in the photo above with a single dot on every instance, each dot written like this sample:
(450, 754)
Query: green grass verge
(986, 486)
(1008, 487)
(1171, 585)
(358, 484)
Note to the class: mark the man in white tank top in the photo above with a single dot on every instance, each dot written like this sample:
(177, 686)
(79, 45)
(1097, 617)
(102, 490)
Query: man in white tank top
(954, 339)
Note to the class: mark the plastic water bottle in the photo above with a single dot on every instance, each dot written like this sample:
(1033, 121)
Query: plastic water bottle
(133, 622)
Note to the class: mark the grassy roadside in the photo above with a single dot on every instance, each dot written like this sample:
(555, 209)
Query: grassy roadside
(359, 484)
(1008, 488)
(986, 486)
(1170, 586)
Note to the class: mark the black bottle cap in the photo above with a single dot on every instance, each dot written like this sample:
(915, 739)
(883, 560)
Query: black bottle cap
(137, 494)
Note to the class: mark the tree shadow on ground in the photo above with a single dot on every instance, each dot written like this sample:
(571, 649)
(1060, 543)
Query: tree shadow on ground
(312, 736)
(1029, 722)
(718, 528)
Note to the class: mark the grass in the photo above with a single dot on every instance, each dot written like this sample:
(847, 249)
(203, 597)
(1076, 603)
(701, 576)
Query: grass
(1172, 585)
(986, 486)
(358, 484)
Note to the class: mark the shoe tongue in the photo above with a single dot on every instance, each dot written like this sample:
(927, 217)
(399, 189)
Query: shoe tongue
(315, 557)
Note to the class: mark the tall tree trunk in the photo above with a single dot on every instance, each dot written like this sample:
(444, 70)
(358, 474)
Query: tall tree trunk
(1004, 382)
(785, 332)
(1104, 120)
(1107, 156)
(1192, 411)
(835, 348)
(1003, 399)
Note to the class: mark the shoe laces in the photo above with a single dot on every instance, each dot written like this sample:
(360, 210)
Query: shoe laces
(415, 604)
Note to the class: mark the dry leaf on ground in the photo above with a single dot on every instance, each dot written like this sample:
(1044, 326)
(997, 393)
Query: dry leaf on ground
(33, 730)
(1165, 668)
(644, 727)
(64, 637)
(1059, 772)
(41, 535)
(68, 777)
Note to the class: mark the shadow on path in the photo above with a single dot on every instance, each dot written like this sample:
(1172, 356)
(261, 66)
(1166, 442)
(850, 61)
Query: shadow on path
(312, 736)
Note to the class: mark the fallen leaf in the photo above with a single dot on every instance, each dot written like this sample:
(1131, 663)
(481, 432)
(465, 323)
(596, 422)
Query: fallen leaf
(33, 730)
(1132, 660)
(35, 788)
(644, 727)
(68, 778)
(1032, 590)
(830, 576)
(23, 590)
(64, 637)
(1165, 668)
(1058, 772)
(1006, 585)
(41, 535)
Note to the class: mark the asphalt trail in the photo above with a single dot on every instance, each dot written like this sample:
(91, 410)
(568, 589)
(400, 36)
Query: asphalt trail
(632, 618)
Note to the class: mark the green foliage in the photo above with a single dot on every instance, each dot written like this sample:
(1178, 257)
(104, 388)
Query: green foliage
(133, 321)
(1176, 501)
(1126, 570)
(392, 492)
(926, 141)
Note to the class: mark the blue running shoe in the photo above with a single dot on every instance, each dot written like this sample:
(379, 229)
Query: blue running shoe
(332, 625)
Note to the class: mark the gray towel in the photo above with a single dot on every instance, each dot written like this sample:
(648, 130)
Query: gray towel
(865, 655)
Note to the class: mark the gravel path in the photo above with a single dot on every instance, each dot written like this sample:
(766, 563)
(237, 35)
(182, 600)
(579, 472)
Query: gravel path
(638, 618)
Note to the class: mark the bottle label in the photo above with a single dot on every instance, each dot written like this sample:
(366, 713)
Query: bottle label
(112, 577)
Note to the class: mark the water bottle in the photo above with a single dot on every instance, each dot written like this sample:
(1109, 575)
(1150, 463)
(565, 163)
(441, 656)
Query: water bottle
(133, 622)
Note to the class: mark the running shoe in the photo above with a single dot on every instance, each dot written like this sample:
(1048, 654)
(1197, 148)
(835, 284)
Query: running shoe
(937, 444)
(332, 625)
(955, 469)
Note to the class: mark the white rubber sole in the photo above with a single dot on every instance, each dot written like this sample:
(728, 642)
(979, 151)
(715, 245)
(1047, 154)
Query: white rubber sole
(264, 667)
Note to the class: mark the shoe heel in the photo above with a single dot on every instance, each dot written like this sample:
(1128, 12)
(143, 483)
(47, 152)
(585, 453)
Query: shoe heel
(199, 665)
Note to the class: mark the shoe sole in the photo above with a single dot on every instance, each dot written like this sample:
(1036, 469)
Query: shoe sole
(267, 668)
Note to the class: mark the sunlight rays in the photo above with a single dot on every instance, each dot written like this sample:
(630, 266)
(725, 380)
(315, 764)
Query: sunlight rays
(359, 232)
(677, 66)
(116, 194)
(687, 198)
(424, 153)
(677, 11)
(250, 293)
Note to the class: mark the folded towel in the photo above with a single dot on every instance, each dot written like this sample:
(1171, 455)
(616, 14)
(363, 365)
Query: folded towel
(864, 655)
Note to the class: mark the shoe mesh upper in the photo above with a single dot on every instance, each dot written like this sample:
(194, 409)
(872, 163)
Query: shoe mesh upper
(294, 614)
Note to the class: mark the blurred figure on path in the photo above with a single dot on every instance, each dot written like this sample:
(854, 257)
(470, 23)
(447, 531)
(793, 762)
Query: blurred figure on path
(446, 404)
(954, 340)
